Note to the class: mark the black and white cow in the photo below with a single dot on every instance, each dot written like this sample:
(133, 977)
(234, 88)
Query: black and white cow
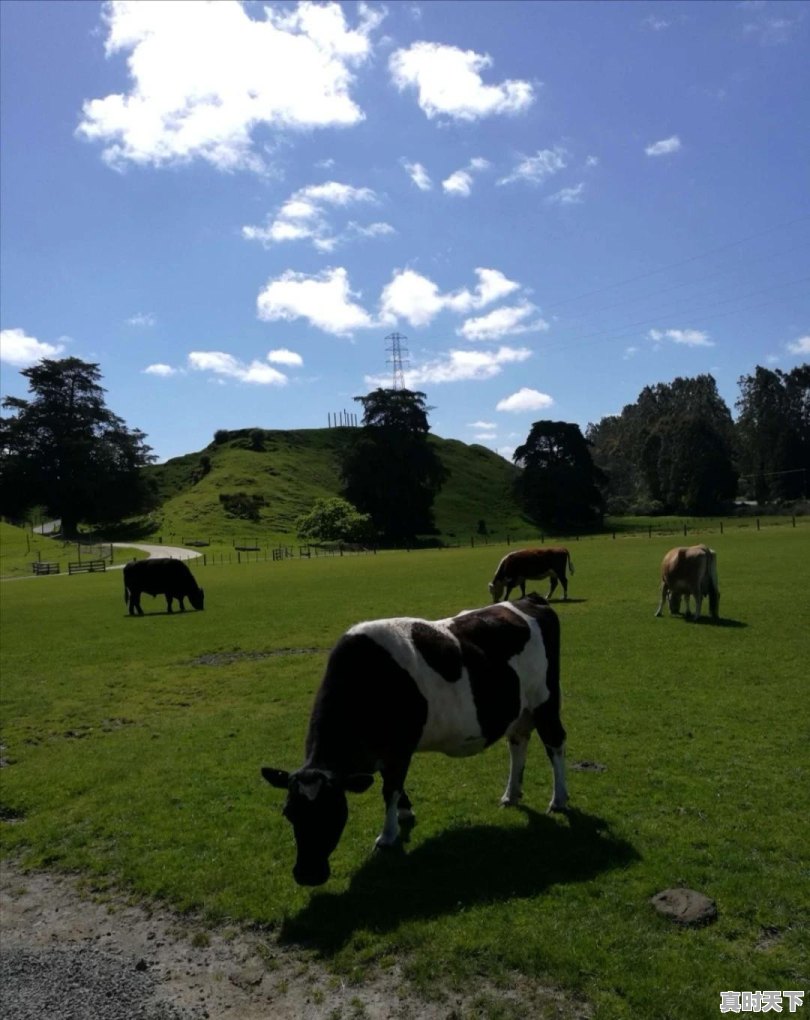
(162, 576)
(394, 687)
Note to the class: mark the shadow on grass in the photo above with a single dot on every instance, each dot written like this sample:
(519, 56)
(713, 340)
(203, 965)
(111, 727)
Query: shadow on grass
(707, 621)
(459, 868)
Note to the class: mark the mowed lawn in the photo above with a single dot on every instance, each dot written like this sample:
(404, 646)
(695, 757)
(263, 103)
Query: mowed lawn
(133, 748)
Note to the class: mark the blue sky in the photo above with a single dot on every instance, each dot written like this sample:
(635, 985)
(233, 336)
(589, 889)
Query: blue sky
(230, 206)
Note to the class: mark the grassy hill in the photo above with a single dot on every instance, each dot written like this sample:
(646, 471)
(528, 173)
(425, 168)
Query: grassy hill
(256, 483)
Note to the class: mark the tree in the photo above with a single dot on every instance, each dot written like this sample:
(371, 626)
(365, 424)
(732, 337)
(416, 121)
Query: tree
(335, 520)
(672, 450)
(559, 483)
(66, 451)
(773, 432)
(390, 470)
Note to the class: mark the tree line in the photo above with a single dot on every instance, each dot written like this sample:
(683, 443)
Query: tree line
(676, 449)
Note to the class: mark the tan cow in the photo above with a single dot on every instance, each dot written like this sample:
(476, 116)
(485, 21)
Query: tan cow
(689, 571)
(530, 565)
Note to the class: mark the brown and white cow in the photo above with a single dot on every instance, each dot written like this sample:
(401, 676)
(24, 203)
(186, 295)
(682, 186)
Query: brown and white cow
(398, 686)
(531, 564)
(690, 570)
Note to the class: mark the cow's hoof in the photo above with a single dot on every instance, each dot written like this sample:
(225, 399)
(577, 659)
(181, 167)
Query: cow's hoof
(385, 844)
(557, 808)
(510, 801)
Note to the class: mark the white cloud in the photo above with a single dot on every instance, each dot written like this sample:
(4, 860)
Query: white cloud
(145, 319)
(160, 369)
(687, 337)
(656, 24)
(418, 299)
(505, 321)
(304, 216)
(801, 346)
(664, 147)
(22, 351)
(629, 352)
(324, 300)
(489, 425)
(227, 365)
(460, 182)
(768, 28)
(485, 437)
(525, 400)
(568, 196)
(592, 161)
(459, 366)
(538, 168)
(282, 356)
(449, 84)
(204, 76)
(418, 175)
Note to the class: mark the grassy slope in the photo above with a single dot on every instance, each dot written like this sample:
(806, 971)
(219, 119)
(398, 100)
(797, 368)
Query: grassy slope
(134, 747)
(296, 467)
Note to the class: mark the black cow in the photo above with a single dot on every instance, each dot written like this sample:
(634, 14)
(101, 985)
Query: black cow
(394, 687)
(168, 577)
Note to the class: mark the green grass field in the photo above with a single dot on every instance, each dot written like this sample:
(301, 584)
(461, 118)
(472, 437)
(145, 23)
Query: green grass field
(133, 749)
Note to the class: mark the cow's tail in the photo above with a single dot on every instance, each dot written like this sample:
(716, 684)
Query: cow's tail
(570, 562)
(714, 586)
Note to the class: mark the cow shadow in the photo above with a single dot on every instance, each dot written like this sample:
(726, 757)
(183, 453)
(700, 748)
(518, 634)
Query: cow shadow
(460, 868)
(707, 621)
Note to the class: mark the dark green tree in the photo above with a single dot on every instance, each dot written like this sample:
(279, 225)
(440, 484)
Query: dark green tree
(559, 483)
(390, 470)
(672, 450)
(65, 451)
(773, 433)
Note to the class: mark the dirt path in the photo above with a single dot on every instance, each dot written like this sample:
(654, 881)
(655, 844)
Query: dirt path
(67, 955)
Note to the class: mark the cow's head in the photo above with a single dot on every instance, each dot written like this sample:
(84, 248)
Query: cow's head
(317, 810)
(496, 590)
(196, 598)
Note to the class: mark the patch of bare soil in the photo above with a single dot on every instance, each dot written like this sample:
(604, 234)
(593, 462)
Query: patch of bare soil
(65, 954)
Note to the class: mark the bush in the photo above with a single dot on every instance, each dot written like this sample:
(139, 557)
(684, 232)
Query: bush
(335, 520)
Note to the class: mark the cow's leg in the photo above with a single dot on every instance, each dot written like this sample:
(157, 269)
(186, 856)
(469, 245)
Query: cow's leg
(168, 603)
(698, 602)
(181, 600)
(518, 746)
(564, 583)
(553, 579)
(664, 594)
(404, 809)
(135, 604)
(522, 583)
(552, 733)
(393, 790)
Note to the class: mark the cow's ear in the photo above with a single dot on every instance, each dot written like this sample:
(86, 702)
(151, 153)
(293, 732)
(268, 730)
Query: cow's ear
(276, 777)
(358, 783)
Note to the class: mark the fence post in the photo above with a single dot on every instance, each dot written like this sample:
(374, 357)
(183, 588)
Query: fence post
(721, 527)
(757, 523)
(794, 520)
(684, 531)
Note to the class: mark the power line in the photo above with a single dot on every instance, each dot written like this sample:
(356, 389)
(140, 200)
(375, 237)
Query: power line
(681, 262)
(593, 337)
(687, 283)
